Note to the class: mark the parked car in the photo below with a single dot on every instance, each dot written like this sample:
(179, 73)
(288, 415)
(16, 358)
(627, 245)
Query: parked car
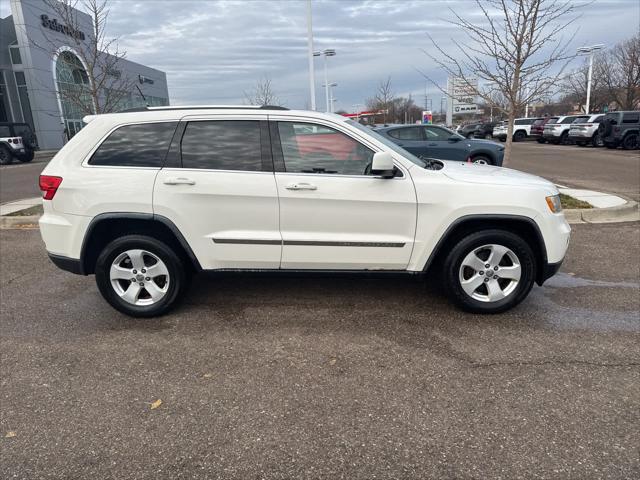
(430, 141)
(143, 199)
(484, 130)
(620, 129)
(17, 141)
(468, 130)
(537, 128)
(582, 133)
(557, 131)
(521, 129)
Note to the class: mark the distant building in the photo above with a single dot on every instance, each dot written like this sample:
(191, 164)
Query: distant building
(31, 76)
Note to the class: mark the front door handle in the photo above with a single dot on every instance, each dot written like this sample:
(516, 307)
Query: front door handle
(179, 181)
(301, 186)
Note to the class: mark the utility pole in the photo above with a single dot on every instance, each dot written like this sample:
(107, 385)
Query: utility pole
(312, 75)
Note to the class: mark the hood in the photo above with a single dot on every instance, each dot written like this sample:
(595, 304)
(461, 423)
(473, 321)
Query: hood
(487, 174)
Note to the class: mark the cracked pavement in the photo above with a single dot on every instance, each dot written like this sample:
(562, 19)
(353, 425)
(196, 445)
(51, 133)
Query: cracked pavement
(296, 377)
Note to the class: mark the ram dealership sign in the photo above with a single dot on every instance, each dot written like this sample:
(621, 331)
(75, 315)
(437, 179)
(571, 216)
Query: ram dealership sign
(463, 95)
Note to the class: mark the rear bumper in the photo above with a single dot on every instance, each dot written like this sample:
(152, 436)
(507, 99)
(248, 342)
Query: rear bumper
(73, 265)
(548, 271)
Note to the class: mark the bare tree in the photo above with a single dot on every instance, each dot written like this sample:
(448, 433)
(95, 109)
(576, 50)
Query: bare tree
(383, 99)
(507, 51)
(262, 93)
(97, 85)
(620, 72)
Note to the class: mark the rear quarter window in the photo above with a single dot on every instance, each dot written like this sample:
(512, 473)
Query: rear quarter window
(633, 117)
(140, 145)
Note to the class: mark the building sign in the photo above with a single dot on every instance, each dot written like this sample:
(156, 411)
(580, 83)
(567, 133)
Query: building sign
(463, 95)
(142, 80)
(427, 117)
(58, 27)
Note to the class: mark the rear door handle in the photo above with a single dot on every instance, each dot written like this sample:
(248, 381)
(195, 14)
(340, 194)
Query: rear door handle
(301, 186)
(179, 181)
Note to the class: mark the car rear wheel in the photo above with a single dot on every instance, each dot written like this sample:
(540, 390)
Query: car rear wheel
(487, 136)
(27, 157)
(596, 140)
(140, 276)
(489, 271)
(542, 140)
(630, 142)
(519, 136)
(564, 138)
(5, 155)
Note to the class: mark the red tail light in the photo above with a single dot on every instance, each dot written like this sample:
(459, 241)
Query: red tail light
(49, 186)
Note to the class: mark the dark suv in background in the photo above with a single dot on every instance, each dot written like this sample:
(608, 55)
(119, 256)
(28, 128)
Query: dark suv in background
(621, 129)
(468, 130)
(431, 141)
(484, 130)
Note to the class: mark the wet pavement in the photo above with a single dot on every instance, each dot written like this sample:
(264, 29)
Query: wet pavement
(323, 377)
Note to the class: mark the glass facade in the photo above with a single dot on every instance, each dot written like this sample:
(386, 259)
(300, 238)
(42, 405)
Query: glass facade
(23, 95)
(73, 89)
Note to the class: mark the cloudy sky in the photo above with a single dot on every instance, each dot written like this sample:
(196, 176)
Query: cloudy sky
(213, 50)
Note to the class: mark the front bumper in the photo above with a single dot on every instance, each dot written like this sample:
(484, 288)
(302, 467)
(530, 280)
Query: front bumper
(548, 270)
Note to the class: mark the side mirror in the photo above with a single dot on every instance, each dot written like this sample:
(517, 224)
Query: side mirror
(382, 164)
(454, 138)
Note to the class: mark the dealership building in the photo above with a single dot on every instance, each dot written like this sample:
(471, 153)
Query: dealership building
(39, 62)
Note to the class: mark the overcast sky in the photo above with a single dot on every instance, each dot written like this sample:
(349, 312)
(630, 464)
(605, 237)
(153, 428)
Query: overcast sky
(213, 50)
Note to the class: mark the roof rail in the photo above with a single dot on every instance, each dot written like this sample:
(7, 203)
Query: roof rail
(204, 107)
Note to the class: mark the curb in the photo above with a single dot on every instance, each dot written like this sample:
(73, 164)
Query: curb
(622, 213)
(17, 221)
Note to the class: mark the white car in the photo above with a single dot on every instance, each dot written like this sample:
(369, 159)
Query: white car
(582, 133)
(521, 129)
(144, 199)
(557, 130)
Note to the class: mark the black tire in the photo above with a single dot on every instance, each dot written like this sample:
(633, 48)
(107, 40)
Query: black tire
(542, 140)
(177, 275)
(611, 146)
(519, 136)
(5, 155)
(503, 139)
(470, 135)
(468, 244)
(581, 144)
(596, 140)
(27, 157)
(487, 136)
(630, 141)
(564, 138)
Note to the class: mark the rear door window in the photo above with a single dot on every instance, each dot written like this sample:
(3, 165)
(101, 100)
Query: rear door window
(409, 133)
(140, 145)
(222, 145)
(568, 120)
(631, 117)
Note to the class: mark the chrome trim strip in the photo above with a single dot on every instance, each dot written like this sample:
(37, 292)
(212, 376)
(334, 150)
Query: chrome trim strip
(238, 241)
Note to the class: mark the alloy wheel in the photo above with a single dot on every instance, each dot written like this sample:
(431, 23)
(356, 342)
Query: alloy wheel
(139, 277)
(490, 273)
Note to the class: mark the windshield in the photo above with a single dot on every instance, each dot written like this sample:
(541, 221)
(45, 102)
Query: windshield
(580, 119)
(399, 150)
(553, 120)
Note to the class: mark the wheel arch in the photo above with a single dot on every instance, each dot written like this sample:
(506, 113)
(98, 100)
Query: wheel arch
(108, 226)
(523, 226)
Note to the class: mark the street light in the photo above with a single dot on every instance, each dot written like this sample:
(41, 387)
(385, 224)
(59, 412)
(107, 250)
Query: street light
(312, 75)
(331, 99)
(329, 52)
(355, 110)
(589, 51)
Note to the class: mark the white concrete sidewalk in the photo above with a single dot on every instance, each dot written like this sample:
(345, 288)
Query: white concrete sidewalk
(11, 207)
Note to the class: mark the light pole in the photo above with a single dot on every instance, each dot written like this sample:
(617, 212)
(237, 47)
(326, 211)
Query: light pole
(312, 74)
(329, 52)
(355, 110)
(589, 51)
(331, 99)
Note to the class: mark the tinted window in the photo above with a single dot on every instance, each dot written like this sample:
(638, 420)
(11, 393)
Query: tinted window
(631, 117)
(580, 119)
(598, 119)
(568, 120)
(4, 131)
(437, 134)
(309, 148)
(143, 145)
(222, 145)
(411, 133)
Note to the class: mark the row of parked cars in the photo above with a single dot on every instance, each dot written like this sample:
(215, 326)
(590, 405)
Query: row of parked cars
(611, 130)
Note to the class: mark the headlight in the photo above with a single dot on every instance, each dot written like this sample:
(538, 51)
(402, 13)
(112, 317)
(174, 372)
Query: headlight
(554, 203)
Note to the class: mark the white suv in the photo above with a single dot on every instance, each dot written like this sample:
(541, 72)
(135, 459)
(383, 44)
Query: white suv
(144, 199)
(557, 130)
(588, 131)
(521, 129)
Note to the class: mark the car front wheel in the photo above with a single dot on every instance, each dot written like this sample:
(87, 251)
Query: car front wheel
(630, 142)
(489, 271)
(140, 276)
(5, 156)
(481, 160)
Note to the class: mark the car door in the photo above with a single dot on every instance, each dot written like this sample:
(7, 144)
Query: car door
(411, 139)
(218, 188)
(335, 215)
(439, 142)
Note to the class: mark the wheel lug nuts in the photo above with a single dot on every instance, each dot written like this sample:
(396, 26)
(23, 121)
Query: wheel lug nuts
(486, 280)
(495, 277)
(133, 280)
(487, 266)
(481, 272)
(495, 268)
(148, 279)
(135, 271)
(143, 271)
(141, 284)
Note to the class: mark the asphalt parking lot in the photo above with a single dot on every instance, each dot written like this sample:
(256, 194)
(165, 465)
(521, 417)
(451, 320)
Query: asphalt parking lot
(323, 378)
